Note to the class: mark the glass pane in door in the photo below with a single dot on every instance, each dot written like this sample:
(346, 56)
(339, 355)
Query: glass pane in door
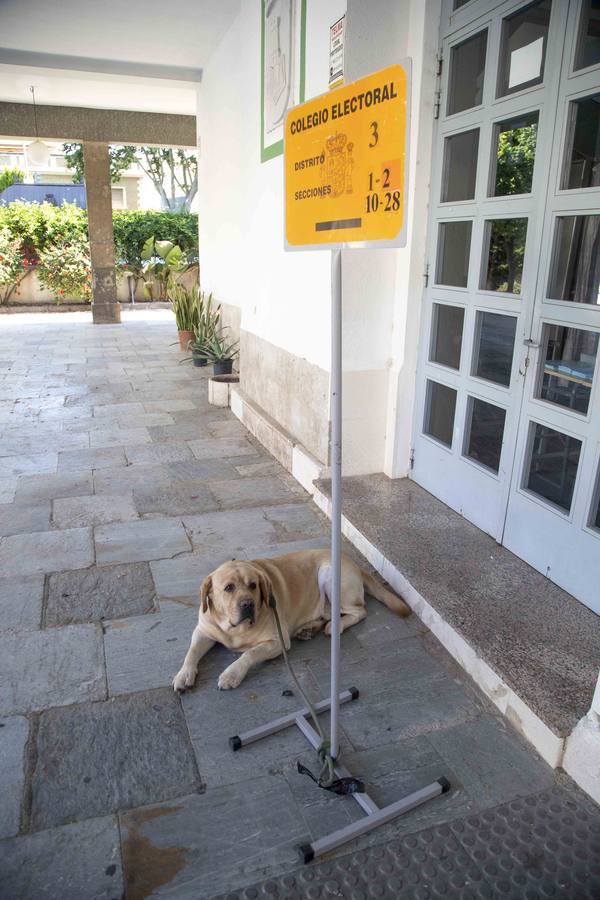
(446, 335)
(514, 142)
(523, 48)
(484, 433)
(567, 364)
(493, 344)
(552, 467)
(594, 520)
(504, 254)
(575, 271)
(582, 157)
(454, 246)
(440, 406)
(588, 45)
(460, 166)
(467, 70)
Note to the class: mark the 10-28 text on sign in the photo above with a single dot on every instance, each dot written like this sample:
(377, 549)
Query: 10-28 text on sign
(345, 162)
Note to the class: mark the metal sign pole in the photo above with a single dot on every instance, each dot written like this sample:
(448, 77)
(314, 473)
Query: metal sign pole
(371, 149)
(336, 489)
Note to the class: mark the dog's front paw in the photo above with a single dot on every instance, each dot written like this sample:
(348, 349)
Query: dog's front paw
(230, 678)
(184, 679)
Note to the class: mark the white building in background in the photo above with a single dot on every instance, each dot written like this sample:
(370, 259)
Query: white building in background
(133, 190)
(127, 193)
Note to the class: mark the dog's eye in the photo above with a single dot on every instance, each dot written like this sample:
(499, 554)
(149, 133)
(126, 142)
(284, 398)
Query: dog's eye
(229, 587)
(252, 585)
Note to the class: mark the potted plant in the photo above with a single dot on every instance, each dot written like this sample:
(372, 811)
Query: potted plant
(221, 353)
(205, 329)
(186, 303)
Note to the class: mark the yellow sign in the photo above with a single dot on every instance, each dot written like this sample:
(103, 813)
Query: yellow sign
(345, 157)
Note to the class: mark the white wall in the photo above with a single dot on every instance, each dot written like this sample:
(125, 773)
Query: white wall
(284, 297)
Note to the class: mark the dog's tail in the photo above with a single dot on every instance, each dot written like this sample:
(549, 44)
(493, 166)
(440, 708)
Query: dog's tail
(384, 596)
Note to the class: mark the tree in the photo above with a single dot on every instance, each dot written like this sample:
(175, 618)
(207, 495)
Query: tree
(120, 158)
(10, 176)
(174, 173)
(179, 168)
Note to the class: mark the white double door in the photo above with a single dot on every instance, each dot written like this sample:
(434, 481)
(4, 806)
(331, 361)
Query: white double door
(507, 427)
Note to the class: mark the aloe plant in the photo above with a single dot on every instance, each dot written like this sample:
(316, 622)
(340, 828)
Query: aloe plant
(208, 322)
(218, 348)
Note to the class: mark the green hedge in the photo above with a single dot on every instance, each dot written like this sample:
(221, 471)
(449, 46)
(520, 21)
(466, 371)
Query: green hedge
(133, 228)
(39, 225)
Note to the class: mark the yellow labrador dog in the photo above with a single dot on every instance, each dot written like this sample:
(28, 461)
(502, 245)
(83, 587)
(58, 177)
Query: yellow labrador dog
(234, 608)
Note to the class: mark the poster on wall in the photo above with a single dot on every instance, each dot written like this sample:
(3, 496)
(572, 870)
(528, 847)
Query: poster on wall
(336, 52)
(283, 53)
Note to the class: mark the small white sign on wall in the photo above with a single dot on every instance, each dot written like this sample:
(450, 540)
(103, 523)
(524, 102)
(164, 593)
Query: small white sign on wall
(337, 34)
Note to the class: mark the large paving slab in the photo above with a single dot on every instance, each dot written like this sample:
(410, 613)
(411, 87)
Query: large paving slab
(118, 436)
(50, 551)
(404, 693)
(97, 758)
(99, 509)
(492, 762)
(68, 863)
(253, 526)
(152, 454)
(176, 499)
(19, 441)
(100, 592)
(103, 458)
(253, 492)
(190, 860)
(8, 486)
(20, 518)
(21, 603)
(140, 541)
(39, 669)
(222, 448)
(122, 480)
(14, 732)
(147, 651)
(49, 487)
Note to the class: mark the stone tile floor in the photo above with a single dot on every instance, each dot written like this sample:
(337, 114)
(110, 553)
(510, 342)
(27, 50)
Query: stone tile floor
(120, 488)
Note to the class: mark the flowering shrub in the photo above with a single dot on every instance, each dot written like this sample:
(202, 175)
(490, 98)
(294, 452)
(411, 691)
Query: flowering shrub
(12, 269)
(65, 268)
(56, 237)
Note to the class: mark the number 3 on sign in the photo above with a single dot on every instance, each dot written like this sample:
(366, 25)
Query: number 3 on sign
(374, 135)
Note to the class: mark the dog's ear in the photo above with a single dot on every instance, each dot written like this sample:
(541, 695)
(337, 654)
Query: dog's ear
(265, 586)
(205, 593)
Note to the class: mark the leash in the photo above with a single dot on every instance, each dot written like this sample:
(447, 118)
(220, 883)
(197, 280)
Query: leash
(326, 778)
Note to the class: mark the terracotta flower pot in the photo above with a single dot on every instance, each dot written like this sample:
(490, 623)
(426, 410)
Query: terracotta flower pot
(184, 338)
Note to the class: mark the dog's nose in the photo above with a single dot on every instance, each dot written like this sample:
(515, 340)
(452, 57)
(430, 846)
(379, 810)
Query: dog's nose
(246, 603)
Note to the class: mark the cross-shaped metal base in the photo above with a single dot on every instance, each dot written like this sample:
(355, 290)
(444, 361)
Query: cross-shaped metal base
(374, 815)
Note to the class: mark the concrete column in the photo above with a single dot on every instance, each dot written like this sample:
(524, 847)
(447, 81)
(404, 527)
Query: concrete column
(105, 309)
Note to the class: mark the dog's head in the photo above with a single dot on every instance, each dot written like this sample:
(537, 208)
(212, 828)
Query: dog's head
(236, 593)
